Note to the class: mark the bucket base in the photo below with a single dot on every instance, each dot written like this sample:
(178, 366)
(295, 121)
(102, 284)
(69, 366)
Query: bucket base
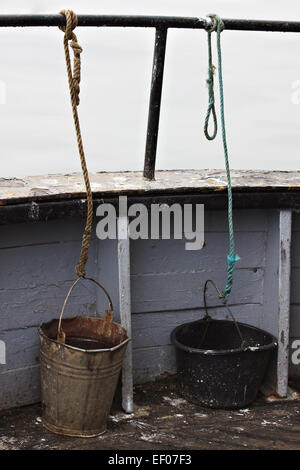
(72, 432)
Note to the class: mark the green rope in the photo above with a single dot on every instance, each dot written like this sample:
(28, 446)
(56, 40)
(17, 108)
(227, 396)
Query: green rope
(211, 95)
(218, 26)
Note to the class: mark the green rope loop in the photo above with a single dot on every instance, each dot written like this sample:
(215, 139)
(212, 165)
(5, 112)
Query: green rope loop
(211, 96)
(217, 25)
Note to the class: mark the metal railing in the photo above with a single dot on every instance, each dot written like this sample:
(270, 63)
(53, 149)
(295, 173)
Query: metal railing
(161, 24)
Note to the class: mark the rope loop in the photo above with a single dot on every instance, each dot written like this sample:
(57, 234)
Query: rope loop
(208, 318)
(215, 24)
(211, 96)
(74, 81)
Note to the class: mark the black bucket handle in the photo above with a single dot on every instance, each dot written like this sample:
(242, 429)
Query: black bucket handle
(207, 317)
(108, 313)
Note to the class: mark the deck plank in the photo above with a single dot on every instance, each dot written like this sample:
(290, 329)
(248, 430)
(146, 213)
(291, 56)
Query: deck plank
(164, 420)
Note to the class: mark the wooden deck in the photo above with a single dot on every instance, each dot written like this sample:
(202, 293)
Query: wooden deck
(163, 420)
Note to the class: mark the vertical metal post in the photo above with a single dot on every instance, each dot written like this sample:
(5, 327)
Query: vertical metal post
(125, 310)
(155, 100)
(285, 227)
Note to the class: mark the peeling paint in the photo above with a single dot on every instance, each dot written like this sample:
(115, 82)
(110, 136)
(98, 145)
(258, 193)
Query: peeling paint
(34, 211)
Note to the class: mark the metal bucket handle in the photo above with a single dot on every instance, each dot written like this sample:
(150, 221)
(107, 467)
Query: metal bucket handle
(61, 336)
(208, 317)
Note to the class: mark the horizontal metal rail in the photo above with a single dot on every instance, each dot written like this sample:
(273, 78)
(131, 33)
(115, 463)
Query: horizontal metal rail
(161, 24)
(149, 22)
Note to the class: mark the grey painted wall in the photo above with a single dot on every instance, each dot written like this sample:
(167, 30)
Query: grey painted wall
(37, 267)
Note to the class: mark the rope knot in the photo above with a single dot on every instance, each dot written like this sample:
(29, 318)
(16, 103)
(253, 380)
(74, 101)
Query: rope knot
(216, 24)
(233, 259)
(73, 76)
(80, 272)
(210, 79)
(77, 49)
(71, 23)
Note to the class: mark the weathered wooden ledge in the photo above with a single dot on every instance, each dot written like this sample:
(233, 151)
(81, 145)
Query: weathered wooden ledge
(62, 195)
(59, 186)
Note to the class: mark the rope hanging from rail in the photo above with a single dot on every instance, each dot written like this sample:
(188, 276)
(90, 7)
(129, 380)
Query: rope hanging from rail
(217, 25)
(74, 81)
(211, 95)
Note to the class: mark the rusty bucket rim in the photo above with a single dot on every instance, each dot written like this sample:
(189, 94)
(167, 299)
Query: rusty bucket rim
(114, 348)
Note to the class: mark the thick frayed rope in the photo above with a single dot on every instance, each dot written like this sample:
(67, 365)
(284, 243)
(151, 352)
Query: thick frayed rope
(74, 81)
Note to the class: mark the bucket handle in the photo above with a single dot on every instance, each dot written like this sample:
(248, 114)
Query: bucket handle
(208, 317)
(61, 336)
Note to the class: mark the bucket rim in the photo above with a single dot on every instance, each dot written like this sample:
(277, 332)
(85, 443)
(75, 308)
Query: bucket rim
(221, 352)
(68, 346)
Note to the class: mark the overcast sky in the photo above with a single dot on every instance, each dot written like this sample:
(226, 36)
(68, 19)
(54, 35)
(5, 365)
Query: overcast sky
(260, 71)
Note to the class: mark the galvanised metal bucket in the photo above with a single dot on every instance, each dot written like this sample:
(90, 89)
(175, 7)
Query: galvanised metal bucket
(81, 359)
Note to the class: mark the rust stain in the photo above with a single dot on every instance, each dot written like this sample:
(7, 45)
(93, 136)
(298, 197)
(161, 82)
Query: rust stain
(283, 251)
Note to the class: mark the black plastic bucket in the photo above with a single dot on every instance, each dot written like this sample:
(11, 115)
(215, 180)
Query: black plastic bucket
(221, 374)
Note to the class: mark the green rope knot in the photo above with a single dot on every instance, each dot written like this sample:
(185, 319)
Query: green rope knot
(233, 259)
(231, 264)
(217, 25)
